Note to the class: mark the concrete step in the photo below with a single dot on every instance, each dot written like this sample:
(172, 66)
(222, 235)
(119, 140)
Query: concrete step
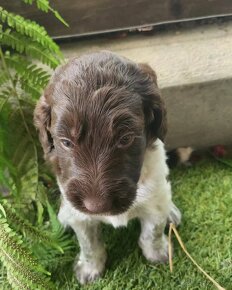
(194, 68)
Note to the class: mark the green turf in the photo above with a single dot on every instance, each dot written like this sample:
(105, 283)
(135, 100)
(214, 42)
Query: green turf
(204, 195)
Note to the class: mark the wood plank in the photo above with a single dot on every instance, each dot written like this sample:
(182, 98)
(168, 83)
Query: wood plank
(97, 16)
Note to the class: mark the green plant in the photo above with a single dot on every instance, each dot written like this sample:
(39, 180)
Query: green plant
(32, 242)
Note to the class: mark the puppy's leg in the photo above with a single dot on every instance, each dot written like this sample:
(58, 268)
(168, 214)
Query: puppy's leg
(174, 215)
(90, 263)
(152, 240)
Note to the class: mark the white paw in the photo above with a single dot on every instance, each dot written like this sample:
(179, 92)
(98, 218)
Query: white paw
(88, 271)
(156, 252)
(174, 215)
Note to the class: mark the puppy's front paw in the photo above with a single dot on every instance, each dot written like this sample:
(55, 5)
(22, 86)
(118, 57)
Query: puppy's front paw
(156, 251)
(174, 215)
(88, 271)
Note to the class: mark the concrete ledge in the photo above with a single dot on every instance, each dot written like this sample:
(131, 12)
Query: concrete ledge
(194, 68)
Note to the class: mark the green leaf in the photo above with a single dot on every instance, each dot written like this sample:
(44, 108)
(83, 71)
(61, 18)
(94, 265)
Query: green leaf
(2, 210)
(28, 73)
(33, 49)
(44, 6)
(58, 16)
(30, 29)
(17, 258)
(31, 240)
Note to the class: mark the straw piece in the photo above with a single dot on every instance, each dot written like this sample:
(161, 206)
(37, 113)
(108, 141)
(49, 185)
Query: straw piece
(173, 228)
(170, 248)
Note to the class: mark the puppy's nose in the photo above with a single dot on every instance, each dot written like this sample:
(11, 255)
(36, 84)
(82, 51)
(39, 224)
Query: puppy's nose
(97, 206)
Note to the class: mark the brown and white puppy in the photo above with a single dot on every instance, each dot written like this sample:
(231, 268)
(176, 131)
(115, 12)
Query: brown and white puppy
(101, 123)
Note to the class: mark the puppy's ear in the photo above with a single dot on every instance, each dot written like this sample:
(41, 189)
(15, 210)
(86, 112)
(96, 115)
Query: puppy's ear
(42, 121)
(154, 108)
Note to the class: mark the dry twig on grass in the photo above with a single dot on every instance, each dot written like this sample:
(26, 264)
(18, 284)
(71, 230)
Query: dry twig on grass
(172, 228)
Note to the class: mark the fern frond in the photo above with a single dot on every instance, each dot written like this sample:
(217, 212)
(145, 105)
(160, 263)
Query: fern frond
(30, 29)
(15, 282)
(8, 171)
(29, 171)
(49, 256)
(27, 71)
(36, 75)
(23, 44)
(14, 140)
(13, 40)
(29, 88)
(19, 260)
(5, 179)
(44, 6)
(3, 278)
(30, 232)
(3, 78)
(35, 51)
(58, 231)
(5, 94)
(25, 238)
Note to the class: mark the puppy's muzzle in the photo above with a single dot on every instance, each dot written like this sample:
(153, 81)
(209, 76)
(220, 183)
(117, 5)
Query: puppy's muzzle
(109, 199)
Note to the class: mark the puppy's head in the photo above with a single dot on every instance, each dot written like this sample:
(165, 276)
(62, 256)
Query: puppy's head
(97, 117)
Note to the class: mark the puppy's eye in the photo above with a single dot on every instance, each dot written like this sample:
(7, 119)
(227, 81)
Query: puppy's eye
(126, 140)
(66, 143)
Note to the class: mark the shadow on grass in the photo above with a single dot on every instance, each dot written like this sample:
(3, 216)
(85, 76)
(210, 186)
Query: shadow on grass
(120, 243)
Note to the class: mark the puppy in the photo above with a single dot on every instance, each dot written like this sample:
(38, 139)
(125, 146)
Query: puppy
(101, 124)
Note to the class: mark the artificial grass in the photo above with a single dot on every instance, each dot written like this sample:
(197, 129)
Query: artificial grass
(204, 195)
